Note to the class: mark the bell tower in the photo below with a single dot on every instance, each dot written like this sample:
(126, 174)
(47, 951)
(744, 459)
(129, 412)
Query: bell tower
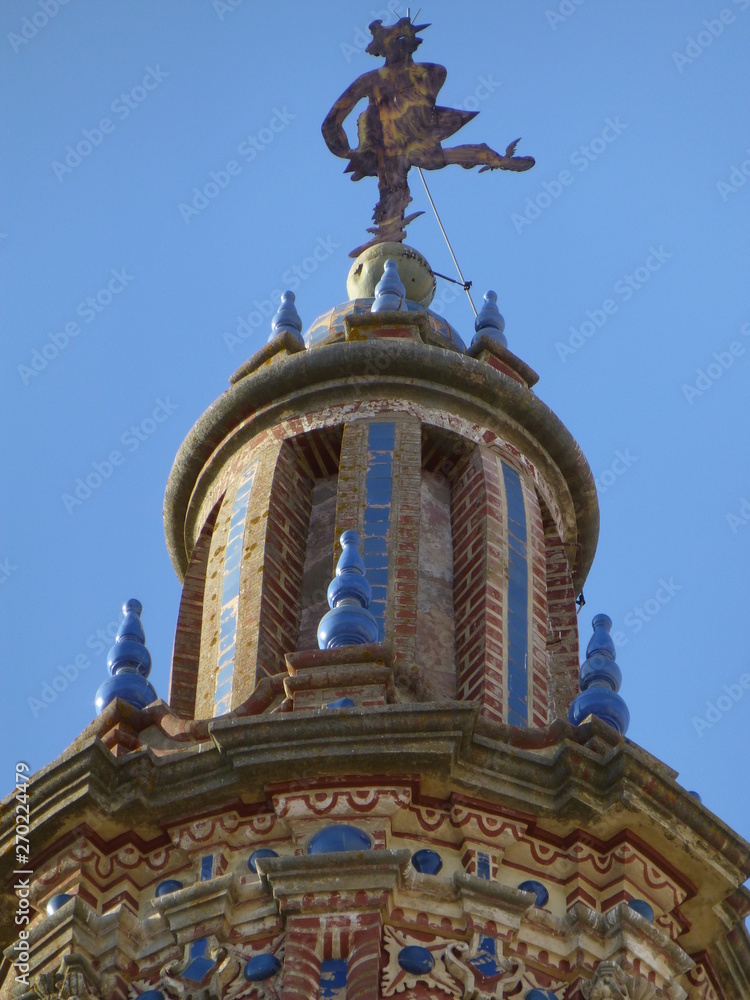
(476, 509)
(379, 771)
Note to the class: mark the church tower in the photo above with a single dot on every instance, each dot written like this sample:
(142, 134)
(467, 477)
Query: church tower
(381, 770)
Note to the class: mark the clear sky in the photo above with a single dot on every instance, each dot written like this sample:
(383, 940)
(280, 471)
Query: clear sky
(620, 261)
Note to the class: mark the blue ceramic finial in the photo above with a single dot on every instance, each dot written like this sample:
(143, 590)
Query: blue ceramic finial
(390, 294)
(286, 319)
(129, 663)
(600, 680)
(489, 322)
(348, 623)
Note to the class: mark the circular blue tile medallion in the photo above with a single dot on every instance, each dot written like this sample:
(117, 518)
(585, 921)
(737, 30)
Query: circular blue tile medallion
(539, 890)
(642, 907)
(261, 852)
(426, 861)
(338, 837)
(261, 967)
(416, 959)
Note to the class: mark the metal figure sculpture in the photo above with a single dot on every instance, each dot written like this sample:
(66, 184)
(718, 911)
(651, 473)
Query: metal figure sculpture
(402, 128)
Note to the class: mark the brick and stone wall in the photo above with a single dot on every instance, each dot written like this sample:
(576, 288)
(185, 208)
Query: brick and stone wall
(471, 583)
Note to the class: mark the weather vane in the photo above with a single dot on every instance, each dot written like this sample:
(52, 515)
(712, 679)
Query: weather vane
(401, 127)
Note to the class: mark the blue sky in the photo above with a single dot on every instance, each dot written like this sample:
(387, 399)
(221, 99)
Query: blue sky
(620, 263)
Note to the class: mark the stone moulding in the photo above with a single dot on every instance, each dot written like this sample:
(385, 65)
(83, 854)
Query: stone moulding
(275, 350)
(325, 885)
(487, 349)
(386, 325)
(306, 884)
(549, 777)
(364, 668)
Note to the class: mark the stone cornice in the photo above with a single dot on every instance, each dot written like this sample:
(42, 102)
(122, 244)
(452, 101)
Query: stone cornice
(561, 780)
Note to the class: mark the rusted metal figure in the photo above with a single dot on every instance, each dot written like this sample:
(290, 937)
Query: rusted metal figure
(402, 128)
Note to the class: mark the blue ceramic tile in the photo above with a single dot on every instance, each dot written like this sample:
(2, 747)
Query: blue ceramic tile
(207, 867)
(375, 545)
(225, 674)
(226, 651)
(224, 690)
(333, 979)
(518, 677)
(230, 590)
(378, 491)
(228, 622)
(483, 865)
(641, 906)
(226, 645)
(377, 515)
(260, 852)
(167, 886)
(486, 959)
(539, 890)
(237, 521)
(198, 969)
(518, 547)
(519, 707)
(382, 435)
(222, 705)
(516, 639)
(261, 967)
(233, 550)
(416, 960)
(339, 837)
(517, 612)
(517, 605)
(232, 580)
(516, 663)
(427, 861)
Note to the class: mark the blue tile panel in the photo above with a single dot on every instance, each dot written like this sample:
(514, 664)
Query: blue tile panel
(333, 979)
(200, 965)
(486, 961)
(207, 867)
(518, 597)
(230, 593)
(378, 491)
(483, 865)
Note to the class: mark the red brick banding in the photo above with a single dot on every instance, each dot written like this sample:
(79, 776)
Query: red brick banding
(537, 565)
(562, 623)
(283, 563)
(187, 640)
(478, 580)
(401, 626)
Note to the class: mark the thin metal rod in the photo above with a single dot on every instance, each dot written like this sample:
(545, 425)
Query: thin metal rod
(448, 242)
(453, 281)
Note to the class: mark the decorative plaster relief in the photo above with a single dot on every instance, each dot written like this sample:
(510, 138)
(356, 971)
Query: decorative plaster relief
(396, 979)
(610, 982)
(481, 968)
